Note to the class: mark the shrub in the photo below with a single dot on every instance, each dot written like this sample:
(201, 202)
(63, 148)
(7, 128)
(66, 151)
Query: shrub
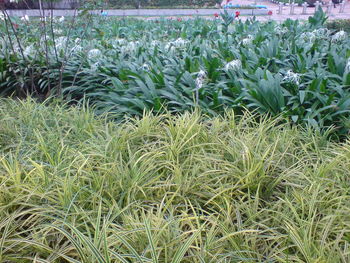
(337, 25)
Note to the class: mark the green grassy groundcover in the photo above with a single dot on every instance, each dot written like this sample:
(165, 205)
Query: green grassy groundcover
(75, 188)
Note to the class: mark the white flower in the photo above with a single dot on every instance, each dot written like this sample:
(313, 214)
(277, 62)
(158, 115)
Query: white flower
(95, 66)
(61, 19)
(146, 67)
(120, 41)
(77, 48)
(339, 36)
(200, 79)
(321, 32)
(2, 16)
(233, 65)
(308, 36)
(57, 31)
(130, 47)
(201, 74)
(347, 66)
(170, 47)
(292, 77)
(94, 53)
(61, 42)
(247, 41)
(281, 31)
(180, 43)
(25, 18)
(155, 43)
(29, 51)
(77, 40)
(133, 45)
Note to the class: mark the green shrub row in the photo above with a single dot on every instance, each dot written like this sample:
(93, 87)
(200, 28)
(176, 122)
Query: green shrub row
(161, 3)
(341, 24)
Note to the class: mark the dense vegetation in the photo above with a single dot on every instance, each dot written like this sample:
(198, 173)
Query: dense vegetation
(125, 66)
(189, 188)
(162, 3)
(175, 167)
(340, 24)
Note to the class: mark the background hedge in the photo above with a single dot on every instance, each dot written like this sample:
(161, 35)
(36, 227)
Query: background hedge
(160, 3)
(124, 3)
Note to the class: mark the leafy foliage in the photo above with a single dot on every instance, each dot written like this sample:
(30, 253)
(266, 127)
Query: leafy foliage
(126, 66)
(340, 24)
(75, 188)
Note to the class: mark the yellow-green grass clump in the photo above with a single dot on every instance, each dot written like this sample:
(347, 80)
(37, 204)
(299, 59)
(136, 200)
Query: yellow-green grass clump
(77, 188)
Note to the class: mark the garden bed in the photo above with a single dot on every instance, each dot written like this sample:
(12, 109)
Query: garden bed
(184, 188)
(126, 66)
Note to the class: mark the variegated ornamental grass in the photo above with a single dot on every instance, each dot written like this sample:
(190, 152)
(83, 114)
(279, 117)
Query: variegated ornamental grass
(185, 188)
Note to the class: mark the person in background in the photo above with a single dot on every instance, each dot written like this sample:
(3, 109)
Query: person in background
(104, 13)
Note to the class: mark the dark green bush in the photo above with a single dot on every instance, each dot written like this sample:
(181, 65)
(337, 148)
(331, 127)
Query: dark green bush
(341, 24)
(160, 3)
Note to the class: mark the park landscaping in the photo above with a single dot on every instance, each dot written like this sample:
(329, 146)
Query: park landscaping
(172, 140)
(183, 188)
(295, 69)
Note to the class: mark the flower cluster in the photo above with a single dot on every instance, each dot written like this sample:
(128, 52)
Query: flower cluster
(61, 43)
(146, 67)
(308, 37)
(25, 18)
(247, 41)
(233, 65)
(322, 32)
(130, 47)
(347, 66)
(119, 42)
(281, 30)
(94, 54)
(200, 79)
(57, 31)
(29, 51)
(155, 43)
(292, 77)
(339, 36)
(178, 43)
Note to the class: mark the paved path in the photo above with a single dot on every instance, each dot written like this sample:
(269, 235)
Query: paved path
(334, 14)
(261, 14)
(142, 12)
